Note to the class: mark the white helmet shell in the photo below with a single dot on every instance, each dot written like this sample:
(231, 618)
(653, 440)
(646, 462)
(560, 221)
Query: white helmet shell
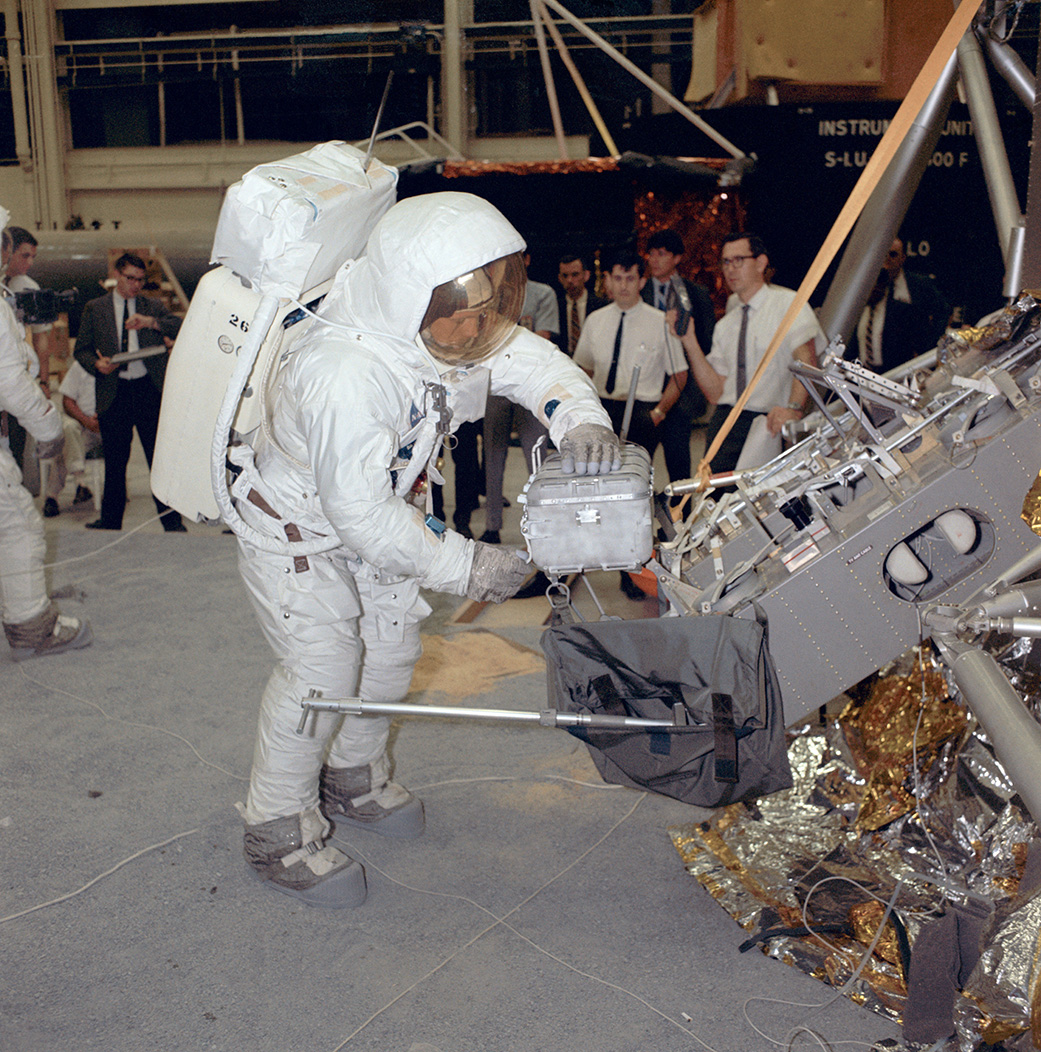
(421, 243)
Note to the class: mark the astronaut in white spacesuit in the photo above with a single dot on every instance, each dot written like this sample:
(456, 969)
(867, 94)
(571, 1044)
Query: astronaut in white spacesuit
(410, 337)
(32, 623)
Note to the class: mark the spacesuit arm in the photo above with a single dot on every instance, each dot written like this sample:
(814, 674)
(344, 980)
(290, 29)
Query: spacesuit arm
(19, 394)
(533, 373)
(350, 450)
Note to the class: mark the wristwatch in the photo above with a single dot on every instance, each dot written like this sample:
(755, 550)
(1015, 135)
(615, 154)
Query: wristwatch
(796, 407)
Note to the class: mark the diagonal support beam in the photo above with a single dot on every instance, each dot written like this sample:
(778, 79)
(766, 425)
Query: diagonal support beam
(643, 78)
(537, 14)
(580, 84)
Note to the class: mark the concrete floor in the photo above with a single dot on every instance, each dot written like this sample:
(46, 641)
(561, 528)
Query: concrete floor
(542, 909)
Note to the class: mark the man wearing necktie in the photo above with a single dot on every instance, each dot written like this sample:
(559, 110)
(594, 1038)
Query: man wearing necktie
(665, 251)
(905, 315)
(626, 333)
(739, 343)
(574, 301)
(128, 393)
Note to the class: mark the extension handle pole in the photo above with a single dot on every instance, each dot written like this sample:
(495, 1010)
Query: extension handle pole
(545, 718)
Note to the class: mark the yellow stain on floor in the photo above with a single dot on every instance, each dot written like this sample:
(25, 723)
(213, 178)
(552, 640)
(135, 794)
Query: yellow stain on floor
(470, 663)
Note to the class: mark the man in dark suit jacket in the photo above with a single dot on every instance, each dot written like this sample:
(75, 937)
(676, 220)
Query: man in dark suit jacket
(905, 316)
(128, 393)
(574, 301)
(665, 250)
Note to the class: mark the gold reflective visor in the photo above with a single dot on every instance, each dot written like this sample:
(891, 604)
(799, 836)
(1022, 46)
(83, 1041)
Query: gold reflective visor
(472, 316)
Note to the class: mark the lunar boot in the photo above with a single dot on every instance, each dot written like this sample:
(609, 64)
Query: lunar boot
(365, 797)
(291, 855)
(47, 633)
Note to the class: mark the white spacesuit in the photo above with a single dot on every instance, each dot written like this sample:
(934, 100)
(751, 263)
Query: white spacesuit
(364, 405)
(32, 623)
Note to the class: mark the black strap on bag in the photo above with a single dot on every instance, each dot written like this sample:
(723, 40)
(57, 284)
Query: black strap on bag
(659, 742)
(725, 752)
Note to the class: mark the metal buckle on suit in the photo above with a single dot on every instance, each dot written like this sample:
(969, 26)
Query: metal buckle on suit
(292, 531)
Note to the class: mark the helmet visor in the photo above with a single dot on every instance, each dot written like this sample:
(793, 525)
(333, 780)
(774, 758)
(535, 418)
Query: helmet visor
(472, 316)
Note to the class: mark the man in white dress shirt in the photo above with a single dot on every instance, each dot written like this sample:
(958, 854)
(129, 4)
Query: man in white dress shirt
(739, 343)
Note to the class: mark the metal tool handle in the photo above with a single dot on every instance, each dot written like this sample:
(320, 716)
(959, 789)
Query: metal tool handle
(627, 418)
(546, 718)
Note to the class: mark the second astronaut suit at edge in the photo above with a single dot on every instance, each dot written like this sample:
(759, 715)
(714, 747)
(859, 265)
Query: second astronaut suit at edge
(355, 422)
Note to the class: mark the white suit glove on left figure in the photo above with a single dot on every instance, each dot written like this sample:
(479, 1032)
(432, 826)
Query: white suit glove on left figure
(495, 574)
(590, 449)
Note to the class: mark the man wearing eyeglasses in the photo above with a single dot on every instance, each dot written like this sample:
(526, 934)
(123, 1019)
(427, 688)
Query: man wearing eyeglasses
(128, 392)
(739, 343)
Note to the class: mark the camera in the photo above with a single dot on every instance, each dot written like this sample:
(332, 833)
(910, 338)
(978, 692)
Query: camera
(41, 306)
(678, 299)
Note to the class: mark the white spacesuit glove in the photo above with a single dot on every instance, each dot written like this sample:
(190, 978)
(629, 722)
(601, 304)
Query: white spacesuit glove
(590, 449)
(47, 450)
(495, 574)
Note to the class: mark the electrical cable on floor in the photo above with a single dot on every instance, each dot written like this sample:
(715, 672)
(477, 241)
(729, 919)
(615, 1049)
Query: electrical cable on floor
(822, 1042)
(501, 922)
(89, 555)
(133, 723)
(99, 877)
(841, 992)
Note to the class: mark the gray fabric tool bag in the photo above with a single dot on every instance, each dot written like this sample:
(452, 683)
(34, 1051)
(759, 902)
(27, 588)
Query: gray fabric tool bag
(717, 667)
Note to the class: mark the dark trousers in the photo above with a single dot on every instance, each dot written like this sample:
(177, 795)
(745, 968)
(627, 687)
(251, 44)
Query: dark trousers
(729, 453)
(641, 428)
(16, 440)
(501, 416)
(676, 428)
(468, 476)
(136, 405)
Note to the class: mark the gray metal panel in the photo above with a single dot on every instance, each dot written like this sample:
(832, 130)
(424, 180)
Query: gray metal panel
(1031, 272)
(835, 620)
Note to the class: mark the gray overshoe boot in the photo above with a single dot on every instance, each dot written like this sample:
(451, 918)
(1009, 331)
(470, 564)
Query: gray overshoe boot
(291, 855)
(47, 633)
(348, 797)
